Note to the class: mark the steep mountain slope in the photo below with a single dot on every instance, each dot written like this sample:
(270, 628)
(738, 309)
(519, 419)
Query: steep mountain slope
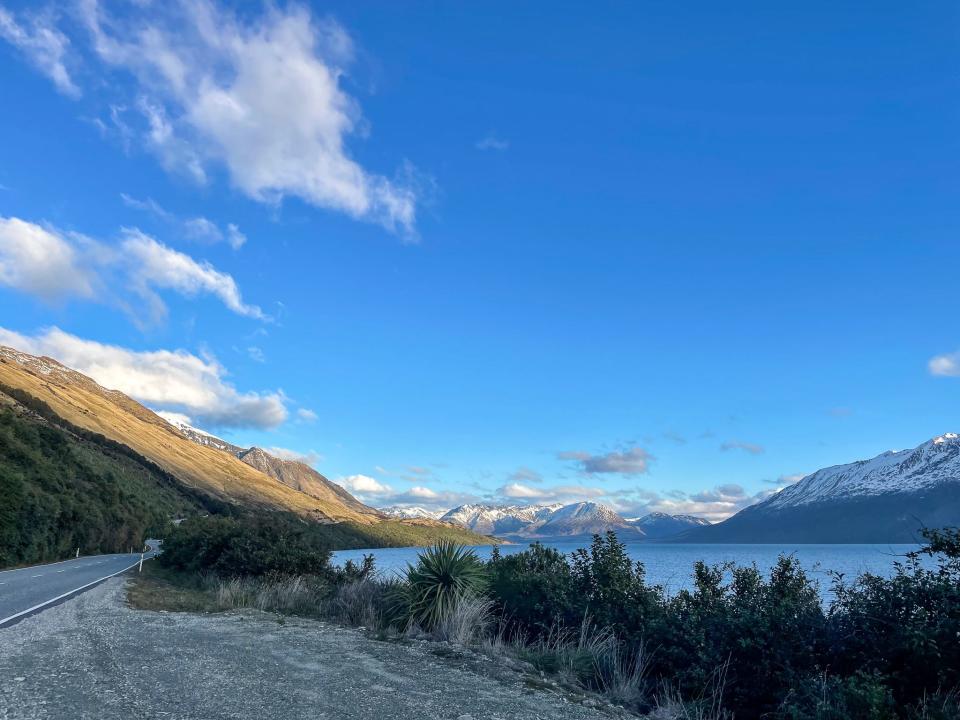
(885, 499)
(84, 403)
(500, 519)
(302, 477)
(585, 518)
(63, 488)
(658, 525)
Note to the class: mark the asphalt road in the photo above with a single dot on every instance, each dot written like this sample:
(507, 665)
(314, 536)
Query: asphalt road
(26, 591)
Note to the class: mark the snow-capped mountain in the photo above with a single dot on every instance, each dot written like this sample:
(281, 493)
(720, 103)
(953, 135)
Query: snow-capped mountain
(411, 512)
(896, 471)
(659, 525)
(200, 437)
(557, 520)
(885, 499)
(500, 519)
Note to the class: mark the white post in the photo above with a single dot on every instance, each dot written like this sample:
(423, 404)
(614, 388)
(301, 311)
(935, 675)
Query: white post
(141, 563)
(78, 553)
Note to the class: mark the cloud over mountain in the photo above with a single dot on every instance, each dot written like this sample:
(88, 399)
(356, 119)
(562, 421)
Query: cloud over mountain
(172, 380)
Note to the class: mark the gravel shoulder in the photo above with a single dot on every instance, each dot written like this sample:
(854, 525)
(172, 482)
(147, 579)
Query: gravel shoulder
(94, 657)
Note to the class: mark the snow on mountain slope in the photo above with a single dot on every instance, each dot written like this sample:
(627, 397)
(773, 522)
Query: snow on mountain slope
(503, 519)
(411, 512)
(583, 518)
(934, 462)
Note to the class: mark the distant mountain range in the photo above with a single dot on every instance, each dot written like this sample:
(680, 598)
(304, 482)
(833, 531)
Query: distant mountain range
(574, 520)
(411, 513)
(886, 499)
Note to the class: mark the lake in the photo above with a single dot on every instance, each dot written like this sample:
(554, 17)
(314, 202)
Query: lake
(671, 564)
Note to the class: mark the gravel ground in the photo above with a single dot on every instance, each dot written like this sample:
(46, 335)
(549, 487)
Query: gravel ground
(93, 657)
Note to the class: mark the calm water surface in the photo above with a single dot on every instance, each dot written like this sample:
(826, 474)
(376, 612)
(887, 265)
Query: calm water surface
(671, 565)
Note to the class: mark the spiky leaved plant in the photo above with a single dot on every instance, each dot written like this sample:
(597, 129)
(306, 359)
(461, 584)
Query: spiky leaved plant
(443, 575)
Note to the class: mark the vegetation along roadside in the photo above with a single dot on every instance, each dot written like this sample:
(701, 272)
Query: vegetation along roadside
(738, 644)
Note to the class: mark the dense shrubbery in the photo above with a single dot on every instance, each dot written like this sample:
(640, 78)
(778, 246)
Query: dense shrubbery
(271, 544)
(885, 647)
(739, 643)
(62, 488)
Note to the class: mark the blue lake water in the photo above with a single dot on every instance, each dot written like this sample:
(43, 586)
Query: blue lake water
(671, 565)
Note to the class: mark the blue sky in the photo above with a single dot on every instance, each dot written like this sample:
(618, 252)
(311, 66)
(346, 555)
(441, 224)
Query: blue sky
(664, 255)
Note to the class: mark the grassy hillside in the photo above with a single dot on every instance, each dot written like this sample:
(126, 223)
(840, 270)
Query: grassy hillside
(85, 404)
(63, 489)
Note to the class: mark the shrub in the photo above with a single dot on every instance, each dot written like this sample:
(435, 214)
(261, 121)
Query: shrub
(766, 633)
(443, 575)
(905, 628)
(533, 589)
(611, 589)
(272, 544)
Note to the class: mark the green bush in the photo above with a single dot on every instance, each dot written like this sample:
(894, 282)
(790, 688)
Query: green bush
(905, 628)
(267, 544)
(534, 589)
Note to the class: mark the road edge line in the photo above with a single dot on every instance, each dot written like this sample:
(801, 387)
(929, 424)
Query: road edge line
(4, 622)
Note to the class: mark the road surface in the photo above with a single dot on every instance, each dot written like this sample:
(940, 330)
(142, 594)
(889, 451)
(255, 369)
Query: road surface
(29, 590)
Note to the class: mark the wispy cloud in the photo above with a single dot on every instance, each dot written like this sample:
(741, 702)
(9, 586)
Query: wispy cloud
(195, 228)
(37, 37)
(947, 365)
(560, 493)
(633, 461)
(747, 447)
(52, 264)
(525, 474)
(491, 142)
(310, 457)
(306, 415)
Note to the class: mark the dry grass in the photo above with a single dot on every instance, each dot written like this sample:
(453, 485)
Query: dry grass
(82, 402)
(467, 620)
(159, 589)
(293, 595)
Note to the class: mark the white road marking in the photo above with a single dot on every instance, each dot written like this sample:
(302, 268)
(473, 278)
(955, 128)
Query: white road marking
(40, 575)
(4, 621)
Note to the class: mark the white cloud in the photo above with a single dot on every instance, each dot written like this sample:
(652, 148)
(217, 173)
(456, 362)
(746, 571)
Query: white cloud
(525, 474)
(52, 264)
(423, 493)
(260, 96)
(172, 380)
(174, 418)
(310, 457)
(256, 354)
(306, 415)
(945, 365)
(633, 461)
(715, 504)
(43, 45)
(561, 493)
(155, 265)
(41, 261)
(235, 238)
(492, 142)
(747, 447)
(364, 485)
(197, 228)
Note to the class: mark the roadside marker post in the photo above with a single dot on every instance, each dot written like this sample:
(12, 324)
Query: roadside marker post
(78, 553)
(141, 563)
